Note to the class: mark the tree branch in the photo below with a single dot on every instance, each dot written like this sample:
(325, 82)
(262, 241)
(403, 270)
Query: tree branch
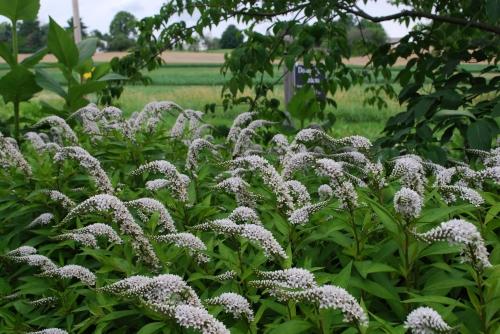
(420, 14)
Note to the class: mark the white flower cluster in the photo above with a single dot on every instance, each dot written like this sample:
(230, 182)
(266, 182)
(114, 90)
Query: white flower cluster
(255, 233)
(226, 276)
(234, 304)
(467, 194)
(270, 176)
(410, 171)
(239, 122)
(59, 197)
(170, 295)
(89, 163)
(88, 235)
(299, 285)
(11, 156)
(41, 220)
(49, 331)
(408, 203)
(297, 162)
(194, 151)
(299, 193)
(150, 116)
(72, 271)
(148, 206)
(105, 203)
(39, 144)
(302, 215)
(461, 232)
(28, 255)
(425, 320)
(239, 188)
(175, 181)
(325, 192)
(46, 301)
(280, 146)
(188, 241)
(243, 145)
(22, 251)
(343, 189)
(192, 118)
(245, 215)
(60, 125)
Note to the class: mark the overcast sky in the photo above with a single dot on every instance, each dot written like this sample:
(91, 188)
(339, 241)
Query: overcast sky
(97, 14)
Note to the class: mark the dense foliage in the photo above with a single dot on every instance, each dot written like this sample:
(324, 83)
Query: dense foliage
(113, 225)
(446, 102)
(231, 38)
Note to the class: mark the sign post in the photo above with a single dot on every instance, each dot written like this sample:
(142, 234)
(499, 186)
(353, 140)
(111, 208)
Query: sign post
(77, 27)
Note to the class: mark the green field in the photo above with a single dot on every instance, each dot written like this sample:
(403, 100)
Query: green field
(193, 86)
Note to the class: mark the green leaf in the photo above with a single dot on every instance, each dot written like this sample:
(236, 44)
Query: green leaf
(112, 76)
(493, 10)
(151, 328)
(6, 54)
(17, 10)
(79, 91)
(342, 278)
(35, 58)
(47, 82)
(61, 45)
(480, 135)
(294, 326)
(435, 215)
(87, 48)
(451, 113)
(18, 85)
(303, 104)
(368, 267)
(385, 216)
(434, 299)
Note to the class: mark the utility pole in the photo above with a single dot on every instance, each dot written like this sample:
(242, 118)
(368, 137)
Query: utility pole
(77, 28)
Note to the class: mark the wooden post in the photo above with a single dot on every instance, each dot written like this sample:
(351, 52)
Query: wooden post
(288, 86)
(77, 28)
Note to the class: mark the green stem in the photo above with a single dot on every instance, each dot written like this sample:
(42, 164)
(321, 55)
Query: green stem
(16, 120)
(355, 233)
(14, 42)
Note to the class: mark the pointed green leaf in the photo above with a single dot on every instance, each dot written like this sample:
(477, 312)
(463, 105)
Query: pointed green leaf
(17, 10)
(61, 45)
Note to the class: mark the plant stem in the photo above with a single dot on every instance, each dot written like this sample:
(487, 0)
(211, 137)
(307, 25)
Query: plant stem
(354, 232)
(16, 120)
(16, 103)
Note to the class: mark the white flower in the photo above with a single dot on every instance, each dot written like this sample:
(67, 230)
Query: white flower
(410, 171)
(245, 215)
(293, 278)
(89, 163)
(299, 193)
(325, 192)
(194, 151)
(72, 271)
(243, 142)
(189, 241)
(281, 146)
(460, 232)
(175, 181)
(60, 124)
(301, 216)
(465, 193)
(199, 319)
(105, 203)
(149, 206)
(36, 141)
(43, 219)
(22, 251)
(255, 233)
(11, 156)
(59, 197)
(88, 235)
(339, 181)
(226, 276)
(46, 301)
(35, 260)
(357, 142)
(408, 203)
(239, 122)
(239, 187)
(424, 320)
(233, 303)
(297, 162)
(50, 331)
(269, 175)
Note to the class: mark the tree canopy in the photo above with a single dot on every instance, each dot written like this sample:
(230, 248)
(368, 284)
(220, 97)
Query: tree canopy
(231, 37)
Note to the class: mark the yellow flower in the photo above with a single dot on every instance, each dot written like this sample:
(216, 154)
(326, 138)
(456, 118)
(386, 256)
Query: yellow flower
(87, 75)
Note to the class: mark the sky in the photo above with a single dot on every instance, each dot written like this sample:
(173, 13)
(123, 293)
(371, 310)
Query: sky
(97, 14)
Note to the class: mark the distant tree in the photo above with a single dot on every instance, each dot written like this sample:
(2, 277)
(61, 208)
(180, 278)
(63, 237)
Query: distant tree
(211, 43)
(231, 38)
(31, 36)
(5, 32)
(83, 26)
(103, 38)
(365, 37)
(122, 32)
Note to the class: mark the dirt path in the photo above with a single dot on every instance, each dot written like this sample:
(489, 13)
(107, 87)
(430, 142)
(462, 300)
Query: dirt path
(185, 57)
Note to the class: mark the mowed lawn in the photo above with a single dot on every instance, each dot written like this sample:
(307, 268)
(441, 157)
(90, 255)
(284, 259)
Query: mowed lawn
(194, 86)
